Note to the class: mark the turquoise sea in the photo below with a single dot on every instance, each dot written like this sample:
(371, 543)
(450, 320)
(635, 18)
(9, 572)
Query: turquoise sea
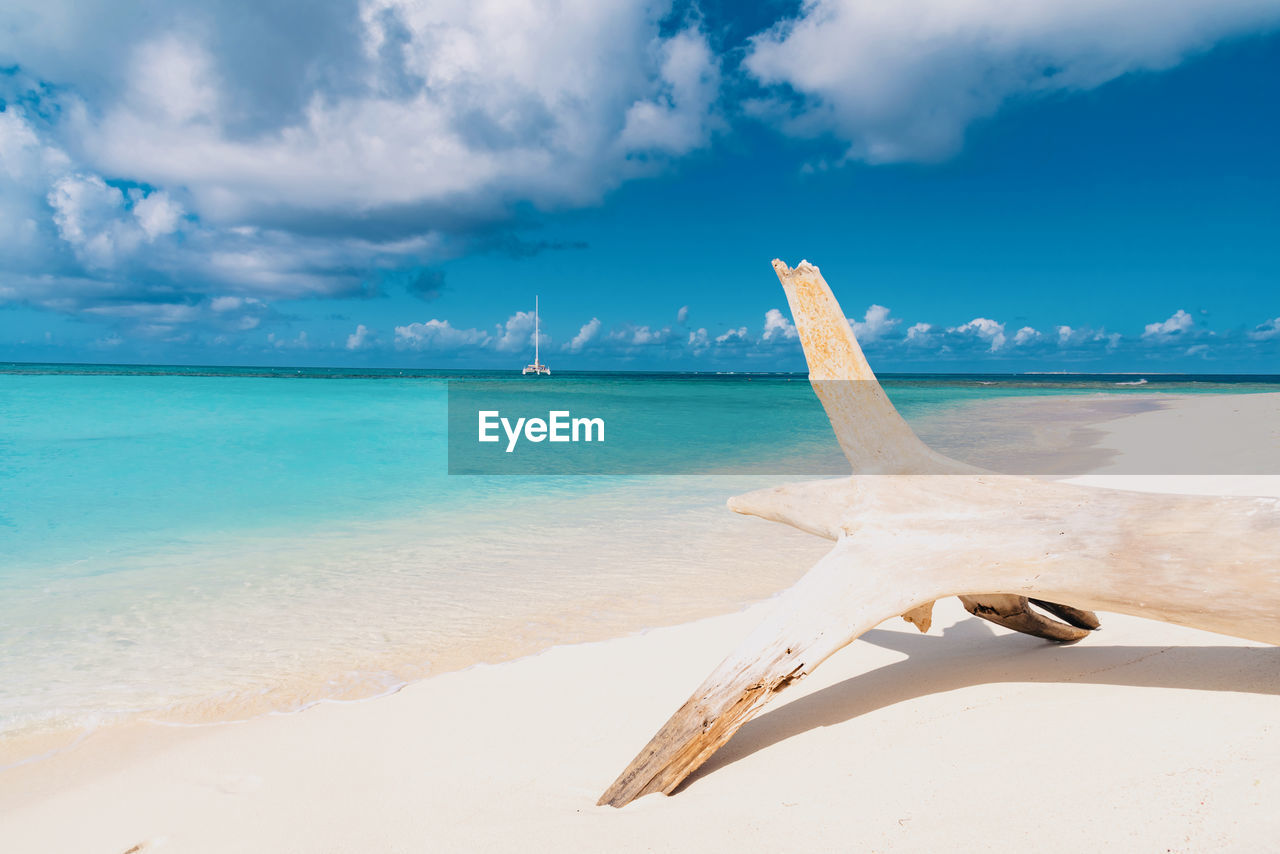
(193, 543)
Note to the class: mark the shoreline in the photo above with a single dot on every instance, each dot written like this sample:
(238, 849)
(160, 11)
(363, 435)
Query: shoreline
(513, 631)
(1085, 432)
(140, 757)
(405, 542)
(483, 628)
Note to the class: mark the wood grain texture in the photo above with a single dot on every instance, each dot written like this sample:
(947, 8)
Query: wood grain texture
(912, 526)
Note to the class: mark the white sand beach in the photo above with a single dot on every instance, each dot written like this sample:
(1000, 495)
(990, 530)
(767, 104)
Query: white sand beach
(1143, 737)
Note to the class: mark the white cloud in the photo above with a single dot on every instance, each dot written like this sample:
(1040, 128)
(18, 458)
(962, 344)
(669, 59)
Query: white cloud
(359, 339)
(874, 324)
(1180, 322)
(516, 333)
(52, 212)
(1026, 335)
(698, 341)
(983, 328)
(733, 336)
(438, 335)
(492, 103)
(166, 318)
(777, 325)
(24, 158)
(679, 118)
(246, 145)
(70, 239)
(173, 81)
(920, 334)
(89, 216)
(157, 214)
(588, 333)
(1266, 331)
(902, 81)
(1086, 337)
(312, 158)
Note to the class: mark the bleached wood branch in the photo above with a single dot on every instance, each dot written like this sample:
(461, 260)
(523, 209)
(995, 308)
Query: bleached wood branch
(939, 528)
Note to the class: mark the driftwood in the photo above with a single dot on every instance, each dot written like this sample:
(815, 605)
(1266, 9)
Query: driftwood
(940, 528)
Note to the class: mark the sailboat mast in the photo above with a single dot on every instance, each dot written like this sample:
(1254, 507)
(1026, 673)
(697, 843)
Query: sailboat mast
(535, 329)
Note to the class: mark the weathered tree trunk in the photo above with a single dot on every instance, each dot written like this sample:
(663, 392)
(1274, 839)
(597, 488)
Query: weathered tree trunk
(940, 528)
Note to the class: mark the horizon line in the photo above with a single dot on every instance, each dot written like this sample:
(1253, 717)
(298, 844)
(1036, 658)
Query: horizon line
(299, 368)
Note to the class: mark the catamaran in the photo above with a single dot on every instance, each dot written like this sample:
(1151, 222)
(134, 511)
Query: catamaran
(537, 367)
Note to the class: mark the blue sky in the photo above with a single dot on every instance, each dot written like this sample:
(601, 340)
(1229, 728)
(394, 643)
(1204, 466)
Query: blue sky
(1065, 186)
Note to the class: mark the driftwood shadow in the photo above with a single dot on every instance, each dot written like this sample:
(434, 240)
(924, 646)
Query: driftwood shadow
(1001, 658)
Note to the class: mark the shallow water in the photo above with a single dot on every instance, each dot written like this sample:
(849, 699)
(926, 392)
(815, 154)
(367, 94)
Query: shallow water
(195, 544)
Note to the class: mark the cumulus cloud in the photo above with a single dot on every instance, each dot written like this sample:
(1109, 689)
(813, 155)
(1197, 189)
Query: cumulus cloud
(157, 214)
(902, 81)
(1026, 335)
(438, 335)
(733, 336)
(204, 146)
(1086, 337)
(513, 335)
(102, 224)
(72, 239)
(359, 339)
(1266, 331)
(92, 219)
(443, 105)
(920, 334)
(984, 329)
(157, 167)
(777, 325)
(516, 333)
(679, 118)
(875, 323)
(763, 347)
(588, 333)
(27, 163)
(1180, 322)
